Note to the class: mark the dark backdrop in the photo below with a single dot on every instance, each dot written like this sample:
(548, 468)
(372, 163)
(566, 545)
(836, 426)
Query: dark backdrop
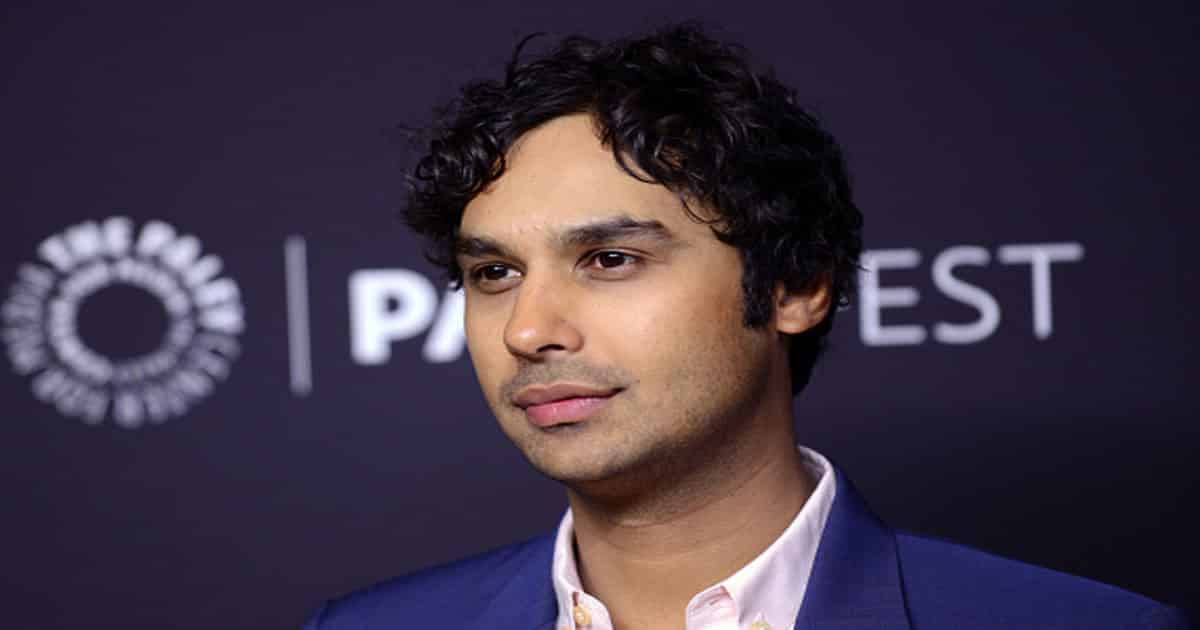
(237, 483)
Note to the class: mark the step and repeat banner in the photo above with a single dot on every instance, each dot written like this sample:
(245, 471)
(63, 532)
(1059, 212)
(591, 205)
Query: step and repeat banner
(232, 387)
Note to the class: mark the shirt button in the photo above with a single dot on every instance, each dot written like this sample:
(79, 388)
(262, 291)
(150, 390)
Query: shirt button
(582, 618)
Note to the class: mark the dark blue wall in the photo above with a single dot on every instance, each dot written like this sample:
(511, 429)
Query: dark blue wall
(237, 484)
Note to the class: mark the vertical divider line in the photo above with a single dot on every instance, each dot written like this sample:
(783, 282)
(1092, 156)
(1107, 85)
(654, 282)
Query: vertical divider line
(295, 263)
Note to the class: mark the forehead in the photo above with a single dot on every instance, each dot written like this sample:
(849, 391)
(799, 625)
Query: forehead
(558, 176)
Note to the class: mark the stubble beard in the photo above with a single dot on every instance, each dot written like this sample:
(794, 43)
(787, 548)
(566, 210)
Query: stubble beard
(645, 466)
(656, 456)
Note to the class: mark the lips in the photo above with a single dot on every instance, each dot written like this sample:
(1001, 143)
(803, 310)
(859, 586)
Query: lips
(562, 403)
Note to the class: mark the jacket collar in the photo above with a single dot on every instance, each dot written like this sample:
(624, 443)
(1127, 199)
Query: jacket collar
(855, 583)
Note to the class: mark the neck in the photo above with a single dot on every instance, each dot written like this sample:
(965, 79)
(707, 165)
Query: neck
(646, 557)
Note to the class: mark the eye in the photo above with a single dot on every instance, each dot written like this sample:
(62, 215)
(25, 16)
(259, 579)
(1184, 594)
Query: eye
(493, 277)
(492, 272)
(612, 263)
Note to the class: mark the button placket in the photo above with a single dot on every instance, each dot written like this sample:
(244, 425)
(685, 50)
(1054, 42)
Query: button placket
(579, 613)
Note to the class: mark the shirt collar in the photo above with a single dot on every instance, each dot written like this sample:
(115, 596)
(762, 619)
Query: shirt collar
(771, 587)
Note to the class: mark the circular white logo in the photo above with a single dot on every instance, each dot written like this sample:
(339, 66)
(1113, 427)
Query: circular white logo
(203, 314)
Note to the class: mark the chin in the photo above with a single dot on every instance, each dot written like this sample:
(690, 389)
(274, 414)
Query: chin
(571, 472)
(568, 465)
(582, 453)
(598, 476)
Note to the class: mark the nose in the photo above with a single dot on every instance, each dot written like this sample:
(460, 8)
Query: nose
(539, 325)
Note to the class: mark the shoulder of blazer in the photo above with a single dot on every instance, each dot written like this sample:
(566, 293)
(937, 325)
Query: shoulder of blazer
(508, 584)
(868, 576)
(948, 585)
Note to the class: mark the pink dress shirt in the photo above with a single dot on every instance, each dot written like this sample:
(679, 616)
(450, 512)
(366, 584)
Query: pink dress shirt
(763, 595)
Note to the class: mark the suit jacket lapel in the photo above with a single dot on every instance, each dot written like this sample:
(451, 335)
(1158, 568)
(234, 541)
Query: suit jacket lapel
(855, 583)
(527, 601)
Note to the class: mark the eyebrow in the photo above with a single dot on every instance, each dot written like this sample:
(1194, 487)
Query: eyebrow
(616, 228)
(589, 234)
(479, 247)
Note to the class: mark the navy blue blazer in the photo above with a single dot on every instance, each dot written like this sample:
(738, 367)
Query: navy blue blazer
(866, 577)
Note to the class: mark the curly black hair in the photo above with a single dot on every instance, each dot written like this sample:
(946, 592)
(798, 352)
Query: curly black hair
(682, 110)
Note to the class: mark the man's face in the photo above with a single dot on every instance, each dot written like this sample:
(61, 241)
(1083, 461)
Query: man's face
(604, 324)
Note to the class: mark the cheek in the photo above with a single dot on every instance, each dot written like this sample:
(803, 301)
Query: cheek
(675, 330)
(485, 344)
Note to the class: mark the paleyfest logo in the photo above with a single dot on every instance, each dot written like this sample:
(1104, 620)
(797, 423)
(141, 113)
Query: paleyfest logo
(80, 361)
(42, 319)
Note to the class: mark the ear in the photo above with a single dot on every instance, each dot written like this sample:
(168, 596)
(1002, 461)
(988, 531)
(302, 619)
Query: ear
(798, 310)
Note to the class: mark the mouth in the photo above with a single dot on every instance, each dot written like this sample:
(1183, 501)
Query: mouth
(561, 403)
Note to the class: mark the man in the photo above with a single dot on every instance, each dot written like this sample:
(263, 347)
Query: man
(653, 241)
